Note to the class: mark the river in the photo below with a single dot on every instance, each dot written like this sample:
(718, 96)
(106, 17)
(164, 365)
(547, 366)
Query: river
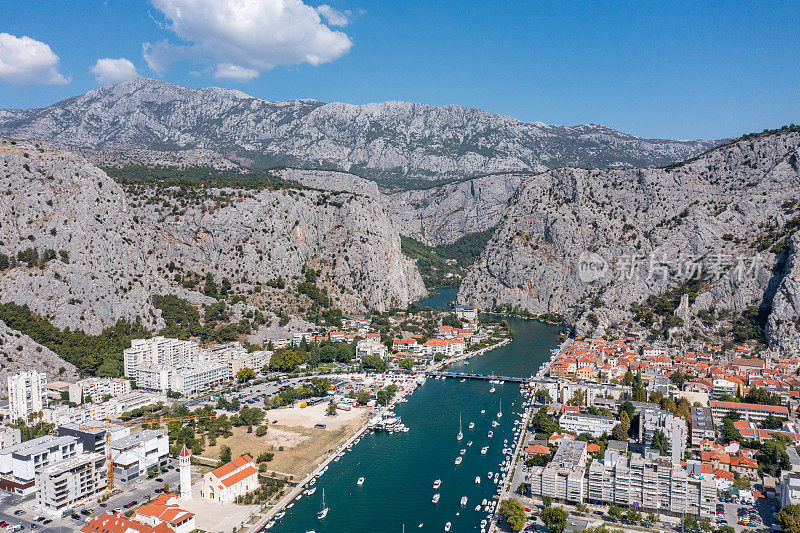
(400, 469)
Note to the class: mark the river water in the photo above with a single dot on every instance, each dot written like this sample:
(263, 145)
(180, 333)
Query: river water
(400, 469)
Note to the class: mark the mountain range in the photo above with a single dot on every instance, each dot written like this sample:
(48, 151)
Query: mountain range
(398, 144)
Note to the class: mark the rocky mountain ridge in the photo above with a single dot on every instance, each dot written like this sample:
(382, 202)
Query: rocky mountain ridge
(84, 251)
(611, 248)
(395, 143)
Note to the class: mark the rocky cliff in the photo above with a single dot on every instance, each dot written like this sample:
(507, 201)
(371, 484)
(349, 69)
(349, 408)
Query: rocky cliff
(607, 248)
(83, 251)
(397, 143)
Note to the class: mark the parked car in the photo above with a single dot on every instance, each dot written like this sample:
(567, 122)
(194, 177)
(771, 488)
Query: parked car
(19, 512)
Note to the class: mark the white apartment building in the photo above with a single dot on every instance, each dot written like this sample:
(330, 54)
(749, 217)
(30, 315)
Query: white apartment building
(673, 428)
(27, 393)
(563, 478)
(722, 387)
(20, 463)
(581, 423)
(656, 485)
(371, 347)
(134, 455)
(98, 388)
(71, 482)
(9, 436)
(158, 352)
(235, 357)
(467, 313)
(62, 415)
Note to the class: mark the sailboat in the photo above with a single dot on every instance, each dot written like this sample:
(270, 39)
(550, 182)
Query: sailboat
(460, 433)
(324, 512)
(500, 413)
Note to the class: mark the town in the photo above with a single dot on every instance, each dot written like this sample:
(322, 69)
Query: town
(626, 433)
(220, 436)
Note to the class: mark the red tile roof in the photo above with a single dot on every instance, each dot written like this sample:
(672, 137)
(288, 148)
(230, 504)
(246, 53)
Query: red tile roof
(109, 523)
(238, 476)
(227, 468)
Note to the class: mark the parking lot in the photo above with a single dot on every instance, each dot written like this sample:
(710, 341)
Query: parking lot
(131, 491)
(759, 516)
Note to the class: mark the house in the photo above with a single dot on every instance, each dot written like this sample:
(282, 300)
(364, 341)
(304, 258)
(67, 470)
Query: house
(231, 480)
(111, 523)
(165, 510)
(536, 449)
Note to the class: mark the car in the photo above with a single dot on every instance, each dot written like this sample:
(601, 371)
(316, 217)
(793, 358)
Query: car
(103, 505)
(3, 524)
(85, 512)
(34, 526)
(157, 491)
(118, 510)
(47, 521)
(75, 516)
(134, 502)
(19, 512)
(160, 480)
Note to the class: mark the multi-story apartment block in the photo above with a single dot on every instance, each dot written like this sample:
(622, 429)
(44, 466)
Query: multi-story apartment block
(9, 436)
(134, 455)
(651, 484)
(578, 423)
(749, 411)
(97, 389)
(93, 440)
(672, 427)
(20, 463)
(563, 478)
(158, 352)
(702, 425)
(71, 482)
(235, 357)
(371, 346)
(27, 394)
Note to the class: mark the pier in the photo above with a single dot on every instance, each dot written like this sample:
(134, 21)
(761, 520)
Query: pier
(485, 377)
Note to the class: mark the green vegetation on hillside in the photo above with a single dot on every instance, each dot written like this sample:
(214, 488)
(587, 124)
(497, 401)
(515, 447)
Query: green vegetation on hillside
(434, 262)
(195, 176)
(96, 355)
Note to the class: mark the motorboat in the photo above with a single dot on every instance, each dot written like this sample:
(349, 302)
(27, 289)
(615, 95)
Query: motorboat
(491, 434)
(360, 481)
(447, 526)
(436, 497)
(437, 484)
(458, 460)
(471, 425)
(463, 501)
(484, 450)
(477, 480)
(311, 491)
(462, 451)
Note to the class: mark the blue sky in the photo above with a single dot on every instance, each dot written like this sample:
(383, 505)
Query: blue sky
(653, 69)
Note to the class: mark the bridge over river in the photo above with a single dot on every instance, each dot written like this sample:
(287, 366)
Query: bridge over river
(485, 377)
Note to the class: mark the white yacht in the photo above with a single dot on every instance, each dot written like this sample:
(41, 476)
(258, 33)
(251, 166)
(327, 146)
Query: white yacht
(458, 460)
(462, 451)
(483, 411)
(477, 480)
(437, 484)
(311, 491)
(500, 413)
(491, 434)
(460, 433)
(324, 512)
(463, 501)
(360, 481)
(435, 498)
(492, 389)
(484, 450)
(447, 526)
(471, 425)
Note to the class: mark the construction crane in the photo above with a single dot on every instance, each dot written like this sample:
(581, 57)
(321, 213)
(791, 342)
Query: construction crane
(108, 426)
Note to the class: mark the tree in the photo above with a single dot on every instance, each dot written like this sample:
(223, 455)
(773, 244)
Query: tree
(245, 374)
(660, 442)
(652, 518)
(633, 515)
(547, 500)
(678, 378)
(620, 431)
(578, 398)
(555, 519)
(689, 522)
(522, 489)
(729, 431)
(362, 397)
(628, 378)
(615, 512)
(373, 362)
(406, 363)
(726, 529)
(224, 454)
(261, 431)
(513, 513)
(772, 457)
(331, 411)
(789, 518)
(772, 422)
(543, 396)
(706, 526)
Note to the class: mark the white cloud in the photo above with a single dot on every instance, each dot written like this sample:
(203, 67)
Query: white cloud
(109, 70)
(26, 61)
(234, 72)
(244, 37)
(333, 16)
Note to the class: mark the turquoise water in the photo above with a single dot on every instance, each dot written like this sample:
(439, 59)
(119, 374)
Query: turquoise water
(441, 299)
(400, 469)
